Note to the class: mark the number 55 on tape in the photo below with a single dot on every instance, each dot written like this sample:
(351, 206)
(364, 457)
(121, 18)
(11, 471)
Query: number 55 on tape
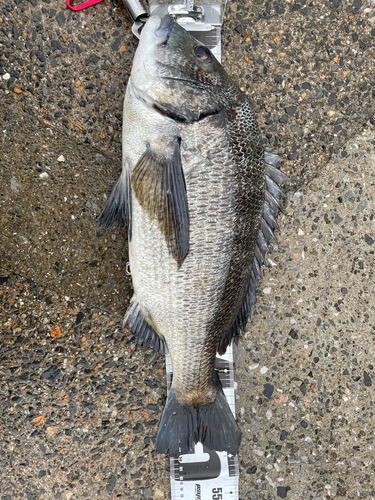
(207, 474)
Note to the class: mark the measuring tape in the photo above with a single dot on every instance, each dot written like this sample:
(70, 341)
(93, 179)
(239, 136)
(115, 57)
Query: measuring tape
(205, 474)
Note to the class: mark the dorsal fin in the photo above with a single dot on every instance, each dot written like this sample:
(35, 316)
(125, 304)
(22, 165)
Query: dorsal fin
(274, 179)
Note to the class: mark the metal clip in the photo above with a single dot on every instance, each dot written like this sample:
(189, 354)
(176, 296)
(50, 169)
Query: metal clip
(187, 12)
(139, 12)
(202, 21)
(192, 17)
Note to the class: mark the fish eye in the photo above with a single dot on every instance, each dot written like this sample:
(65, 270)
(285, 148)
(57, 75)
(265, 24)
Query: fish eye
(202, 53)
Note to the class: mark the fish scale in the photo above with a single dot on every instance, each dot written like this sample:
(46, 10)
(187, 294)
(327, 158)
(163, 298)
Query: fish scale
(200, 196)
(186, 297)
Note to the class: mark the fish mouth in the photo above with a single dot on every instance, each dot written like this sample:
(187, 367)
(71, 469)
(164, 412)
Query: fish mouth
(157, 66)
(165, 28)
(160, 41)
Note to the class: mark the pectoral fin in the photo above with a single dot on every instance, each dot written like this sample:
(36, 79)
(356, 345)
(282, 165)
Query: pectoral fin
(158, 183)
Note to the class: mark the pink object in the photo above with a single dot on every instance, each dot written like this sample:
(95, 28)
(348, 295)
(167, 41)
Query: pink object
(83, 5)
(283, 398)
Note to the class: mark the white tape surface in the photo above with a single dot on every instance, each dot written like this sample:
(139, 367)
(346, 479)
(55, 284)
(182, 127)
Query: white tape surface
(207, 474)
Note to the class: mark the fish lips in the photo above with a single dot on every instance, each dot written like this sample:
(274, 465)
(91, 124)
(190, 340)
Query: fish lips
(175, 55)
(165, 29)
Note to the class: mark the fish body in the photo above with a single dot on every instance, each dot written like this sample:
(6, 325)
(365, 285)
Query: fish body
(200, 196)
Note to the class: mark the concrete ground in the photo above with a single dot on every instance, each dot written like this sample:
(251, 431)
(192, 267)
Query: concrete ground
(306, 374)
(79, 405)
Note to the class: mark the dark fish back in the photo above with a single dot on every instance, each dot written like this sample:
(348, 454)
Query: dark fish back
(250, 180)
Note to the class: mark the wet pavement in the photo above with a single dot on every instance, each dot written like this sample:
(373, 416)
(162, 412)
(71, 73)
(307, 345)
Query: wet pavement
(306, 380)
(51, 196)
(79, 407)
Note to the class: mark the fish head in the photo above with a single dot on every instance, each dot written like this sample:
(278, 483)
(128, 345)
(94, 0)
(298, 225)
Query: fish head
(176, 74)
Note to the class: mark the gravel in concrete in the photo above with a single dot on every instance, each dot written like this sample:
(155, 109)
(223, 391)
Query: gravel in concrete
(79, 406)
(306, 384)
(51, 191)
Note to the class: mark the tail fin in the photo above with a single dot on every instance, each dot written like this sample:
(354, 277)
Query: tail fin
(181, 427)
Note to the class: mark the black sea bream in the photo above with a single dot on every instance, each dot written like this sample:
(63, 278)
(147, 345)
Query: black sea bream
(200, 195)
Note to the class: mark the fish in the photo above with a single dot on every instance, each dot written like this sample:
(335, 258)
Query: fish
(200, 195)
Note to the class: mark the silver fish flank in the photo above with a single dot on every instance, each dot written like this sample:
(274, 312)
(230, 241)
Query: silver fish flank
(199, 194)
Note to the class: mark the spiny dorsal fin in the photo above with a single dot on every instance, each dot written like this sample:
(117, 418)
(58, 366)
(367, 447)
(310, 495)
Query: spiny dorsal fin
(159, 186)
(269, 216)
(275, 205)
(274, 179)
(135, 320)
(118, 206)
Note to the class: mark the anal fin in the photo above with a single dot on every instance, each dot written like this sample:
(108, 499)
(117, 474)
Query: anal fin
(136, 321)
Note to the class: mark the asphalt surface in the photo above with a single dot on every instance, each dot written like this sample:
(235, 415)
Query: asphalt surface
(79, 407)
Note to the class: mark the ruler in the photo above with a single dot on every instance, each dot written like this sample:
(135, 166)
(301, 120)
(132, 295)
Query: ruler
(203, 474)
(203, 21)
(207, 474)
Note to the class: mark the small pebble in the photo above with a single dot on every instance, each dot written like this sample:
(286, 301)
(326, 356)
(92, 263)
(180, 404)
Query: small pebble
(268, 390)
(367, 379)
(282, 491)
(158, 494)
